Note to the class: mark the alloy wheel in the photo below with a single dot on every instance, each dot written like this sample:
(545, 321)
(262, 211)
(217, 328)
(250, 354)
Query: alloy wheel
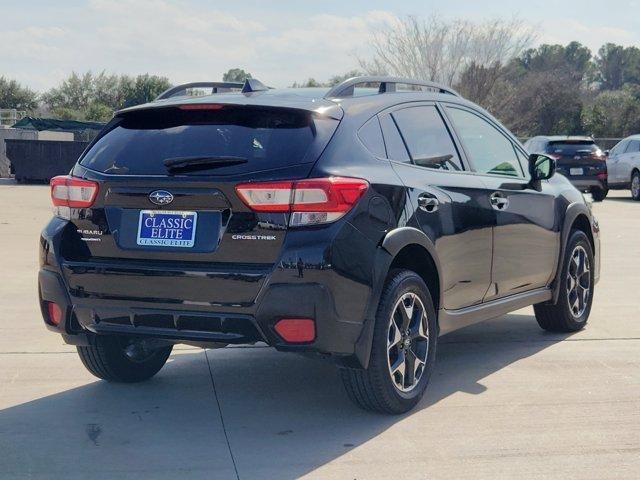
(407, 342)
(635, 186)
(578, 281)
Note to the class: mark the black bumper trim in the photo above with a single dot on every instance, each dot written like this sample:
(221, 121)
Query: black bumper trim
(175, 325)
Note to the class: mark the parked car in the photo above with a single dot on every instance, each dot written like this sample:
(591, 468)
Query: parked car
(623, 166)
(359, 224)
(577, 158)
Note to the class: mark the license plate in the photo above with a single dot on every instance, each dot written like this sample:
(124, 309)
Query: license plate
(167, 228)
(576, 171)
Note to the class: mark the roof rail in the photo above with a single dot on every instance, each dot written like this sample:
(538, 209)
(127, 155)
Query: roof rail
(248, 86)
(387, 84)
(216, 87)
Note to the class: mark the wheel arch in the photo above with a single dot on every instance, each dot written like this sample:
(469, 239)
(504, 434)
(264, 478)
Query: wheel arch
(412, 249)
(577, 217)
(404, 247)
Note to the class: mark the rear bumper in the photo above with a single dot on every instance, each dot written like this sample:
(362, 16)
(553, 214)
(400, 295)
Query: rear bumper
(587, 183)
(326, 290)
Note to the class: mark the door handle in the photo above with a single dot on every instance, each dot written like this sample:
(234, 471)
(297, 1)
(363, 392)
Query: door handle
(428, 204)
(499, 201)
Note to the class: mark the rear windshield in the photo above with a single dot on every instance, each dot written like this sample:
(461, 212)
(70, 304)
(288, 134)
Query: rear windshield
(139, 142)
(572, 147)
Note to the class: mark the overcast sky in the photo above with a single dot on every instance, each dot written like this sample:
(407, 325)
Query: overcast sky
(279, 42)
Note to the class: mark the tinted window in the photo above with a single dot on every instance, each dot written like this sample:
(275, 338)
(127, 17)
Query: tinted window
(371, 136)
(619, 148)
(138, 143)
(489, 150)
(524, 160)
(427, 138)
(634, 146)
(571, 147)
(393, 141)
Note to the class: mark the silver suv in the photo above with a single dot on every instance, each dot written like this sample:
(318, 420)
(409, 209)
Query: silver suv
(623, 166)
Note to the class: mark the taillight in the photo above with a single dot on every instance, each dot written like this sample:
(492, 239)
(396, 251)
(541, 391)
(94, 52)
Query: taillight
(70, 192)
(311, 202)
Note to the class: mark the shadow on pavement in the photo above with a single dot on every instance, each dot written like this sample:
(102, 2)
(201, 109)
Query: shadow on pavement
(285, 415)
(627, 199)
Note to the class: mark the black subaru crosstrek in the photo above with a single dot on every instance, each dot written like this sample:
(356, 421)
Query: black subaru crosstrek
(359, 224)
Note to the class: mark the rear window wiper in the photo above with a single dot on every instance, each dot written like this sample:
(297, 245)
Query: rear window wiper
(190, 164)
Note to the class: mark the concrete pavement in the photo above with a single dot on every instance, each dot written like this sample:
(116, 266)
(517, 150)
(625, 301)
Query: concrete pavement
(506, 400)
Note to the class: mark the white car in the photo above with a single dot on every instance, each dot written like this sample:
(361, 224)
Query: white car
(623, 166)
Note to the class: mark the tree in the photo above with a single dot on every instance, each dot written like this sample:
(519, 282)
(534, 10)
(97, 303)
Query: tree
(439, 50)
(336, 79)
(613, 114)
(13, 95)
(542, 103)
(616, 66)
(236, 75)
(333, 81)
(142, 89)
(75, 93)
(97, 97)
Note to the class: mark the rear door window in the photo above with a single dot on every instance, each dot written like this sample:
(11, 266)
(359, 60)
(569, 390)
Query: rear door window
(427, 138)
(395, 146)
(140, 141)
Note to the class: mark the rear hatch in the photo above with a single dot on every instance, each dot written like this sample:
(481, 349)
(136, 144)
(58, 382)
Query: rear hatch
(167, 224)
(578, 158)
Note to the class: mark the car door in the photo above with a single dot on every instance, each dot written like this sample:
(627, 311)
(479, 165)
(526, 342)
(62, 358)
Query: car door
(449, 203)
(614, 170)
(526, 238)
(629, 160)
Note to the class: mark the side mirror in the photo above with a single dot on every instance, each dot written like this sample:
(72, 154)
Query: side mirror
(541, 167)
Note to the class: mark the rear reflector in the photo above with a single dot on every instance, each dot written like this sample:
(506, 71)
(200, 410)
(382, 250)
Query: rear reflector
(73, 192)
(296, 330)
(54, 313)
(312, 201)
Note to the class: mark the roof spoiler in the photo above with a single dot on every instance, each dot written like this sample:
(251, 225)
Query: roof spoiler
(387, 85)
(250, 85)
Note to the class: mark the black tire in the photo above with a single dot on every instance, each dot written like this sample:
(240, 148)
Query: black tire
(635, 179)
(375, 388)
(561, 317)
(599, 194)
(107, 358)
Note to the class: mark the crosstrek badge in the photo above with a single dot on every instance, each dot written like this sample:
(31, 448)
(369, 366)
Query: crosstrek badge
(167, 228)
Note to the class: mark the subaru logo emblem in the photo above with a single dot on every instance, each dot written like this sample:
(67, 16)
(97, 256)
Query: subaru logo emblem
(161, 197)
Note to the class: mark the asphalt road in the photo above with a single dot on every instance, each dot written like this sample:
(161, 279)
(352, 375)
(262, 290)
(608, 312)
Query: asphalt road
(507, 400)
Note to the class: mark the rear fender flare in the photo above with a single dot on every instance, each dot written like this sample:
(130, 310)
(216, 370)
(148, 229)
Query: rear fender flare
(390, 246)
(572, 213)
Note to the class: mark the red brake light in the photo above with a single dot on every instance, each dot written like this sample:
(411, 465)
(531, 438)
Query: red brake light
(296, 330)
(201, 106)
(312, 201)
(73, 192)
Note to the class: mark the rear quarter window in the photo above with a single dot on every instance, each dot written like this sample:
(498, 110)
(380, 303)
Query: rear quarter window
(370, 135)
